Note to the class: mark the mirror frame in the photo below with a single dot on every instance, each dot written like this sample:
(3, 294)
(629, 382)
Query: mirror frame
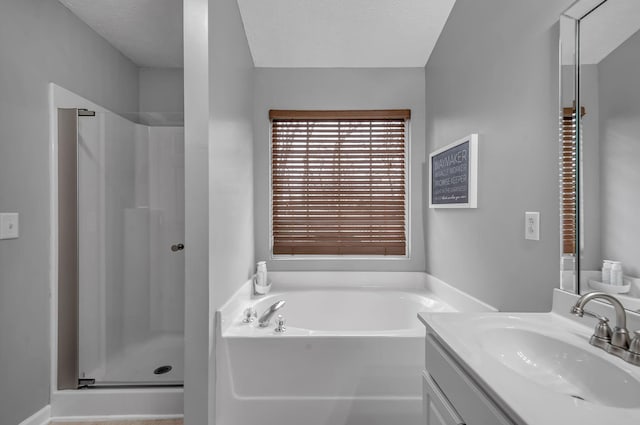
(578, 11)
(572, 278)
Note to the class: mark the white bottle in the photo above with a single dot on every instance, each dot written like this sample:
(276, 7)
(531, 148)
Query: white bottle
(616, 273)
(261, 274)
(606, 272)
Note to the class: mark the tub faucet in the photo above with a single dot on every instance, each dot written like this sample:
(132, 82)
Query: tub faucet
(618, 341)
(264, 320)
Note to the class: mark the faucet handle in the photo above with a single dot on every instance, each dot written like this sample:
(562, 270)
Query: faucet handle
(601, 337)
(250, 314)
(603, 330)
(633, 354)
(634, 345)
(619, 342)
(280, 324)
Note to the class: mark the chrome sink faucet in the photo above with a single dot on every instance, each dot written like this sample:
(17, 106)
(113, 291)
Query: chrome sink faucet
(264, 320)
(619, 340)
(616, 342)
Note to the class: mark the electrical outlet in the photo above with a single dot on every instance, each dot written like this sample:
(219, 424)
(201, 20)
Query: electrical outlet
(8, 225)
(532, 225)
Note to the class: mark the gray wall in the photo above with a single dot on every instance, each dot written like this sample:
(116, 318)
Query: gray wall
(494, 71)
(219, 185)
(620, 154)
(231, 153)
(198, 388)
(40, 42)
(392, 88)
(161, 90)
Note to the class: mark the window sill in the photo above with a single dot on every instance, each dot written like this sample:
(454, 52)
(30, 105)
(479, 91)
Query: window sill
(281, 257)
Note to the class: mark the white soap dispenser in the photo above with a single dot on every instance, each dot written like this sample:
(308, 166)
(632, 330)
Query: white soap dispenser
(261, 273)
(260, 282)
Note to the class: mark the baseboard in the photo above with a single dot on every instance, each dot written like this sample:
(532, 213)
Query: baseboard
(113, 418)
(41, 417)
(109, 403)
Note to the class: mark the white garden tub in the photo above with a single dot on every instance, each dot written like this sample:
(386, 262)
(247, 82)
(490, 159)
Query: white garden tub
(352, 352)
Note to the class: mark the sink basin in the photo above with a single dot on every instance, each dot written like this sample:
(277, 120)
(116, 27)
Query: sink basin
(562, 367)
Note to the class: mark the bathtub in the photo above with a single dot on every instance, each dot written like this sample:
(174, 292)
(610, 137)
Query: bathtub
(352, 352)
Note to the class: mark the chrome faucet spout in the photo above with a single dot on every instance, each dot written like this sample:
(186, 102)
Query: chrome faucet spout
(621, 316)
(618, 343)
(264, 320)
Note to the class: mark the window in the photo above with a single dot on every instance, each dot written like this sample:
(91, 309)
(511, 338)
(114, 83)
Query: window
(339, 182)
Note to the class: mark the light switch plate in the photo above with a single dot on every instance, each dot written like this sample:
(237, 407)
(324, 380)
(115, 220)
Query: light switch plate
(532, 225)
(9, 225)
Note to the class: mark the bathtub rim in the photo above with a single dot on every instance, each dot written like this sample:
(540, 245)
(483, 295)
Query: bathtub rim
(416, 298)
(318, 280)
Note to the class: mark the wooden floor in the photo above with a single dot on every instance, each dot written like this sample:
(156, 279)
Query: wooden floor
(149, 422)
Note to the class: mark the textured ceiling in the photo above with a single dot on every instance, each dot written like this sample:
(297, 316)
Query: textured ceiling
(343, 33)
(149, 32)
(281, 33)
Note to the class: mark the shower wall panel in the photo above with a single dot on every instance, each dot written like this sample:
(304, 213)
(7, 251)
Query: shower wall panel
(166, 200)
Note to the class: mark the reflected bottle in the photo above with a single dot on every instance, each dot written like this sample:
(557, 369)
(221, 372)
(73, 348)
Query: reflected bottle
(616, 273)
(606, 272)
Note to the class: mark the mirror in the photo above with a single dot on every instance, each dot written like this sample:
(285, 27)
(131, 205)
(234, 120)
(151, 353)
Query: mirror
(600, 147)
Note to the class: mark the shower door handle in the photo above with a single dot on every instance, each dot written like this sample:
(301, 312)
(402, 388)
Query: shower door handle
(177, 247)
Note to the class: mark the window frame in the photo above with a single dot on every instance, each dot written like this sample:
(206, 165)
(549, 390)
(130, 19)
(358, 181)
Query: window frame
(349, 257)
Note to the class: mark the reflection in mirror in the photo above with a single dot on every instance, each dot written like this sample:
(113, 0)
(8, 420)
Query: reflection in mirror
(607, 134)
(568, 163)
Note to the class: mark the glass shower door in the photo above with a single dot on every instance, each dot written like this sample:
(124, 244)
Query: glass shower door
(131, 273)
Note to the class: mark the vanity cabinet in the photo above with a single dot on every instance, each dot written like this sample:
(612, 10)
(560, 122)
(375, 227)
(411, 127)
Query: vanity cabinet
(437, 408)
(451, 396)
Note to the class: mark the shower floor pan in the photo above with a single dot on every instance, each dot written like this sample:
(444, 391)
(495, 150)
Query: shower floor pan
(156, 361)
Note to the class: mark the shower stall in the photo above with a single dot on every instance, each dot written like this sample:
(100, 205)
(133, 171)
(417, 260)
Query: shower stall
(128, 326)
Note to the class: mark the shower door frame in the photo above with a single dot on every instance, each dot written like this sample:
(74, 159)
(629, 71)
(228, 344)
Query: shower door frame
(157, 401)
(64, 244)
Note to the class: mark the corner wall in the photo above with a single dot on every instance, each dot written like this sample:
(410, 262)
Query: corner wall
(161, 89)
(494, 71)
(40, 42)
(231, 153)
(219, 247)
(198, 326)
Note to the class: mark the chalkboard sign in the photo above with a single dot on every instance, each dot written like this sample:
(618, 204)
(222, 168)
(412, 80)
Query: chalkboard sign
(453, 172)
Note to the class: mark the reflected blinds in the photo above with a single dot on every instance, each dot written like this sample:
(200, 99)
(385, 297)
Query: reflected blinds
(339, 182)
(568, 180)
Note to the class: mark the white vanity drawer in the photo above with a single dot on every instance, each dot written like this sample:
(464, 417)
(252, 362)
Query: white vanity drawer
(437, 409)
(468, 400)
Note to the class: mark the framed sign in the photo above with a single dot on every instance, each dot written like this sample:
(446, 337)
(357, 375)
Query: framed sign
(453, 174)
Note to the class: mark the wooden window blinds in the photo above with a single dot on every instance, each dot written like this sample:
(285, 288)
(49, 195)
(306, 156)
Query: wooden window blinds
(568, 179)
(339, 182)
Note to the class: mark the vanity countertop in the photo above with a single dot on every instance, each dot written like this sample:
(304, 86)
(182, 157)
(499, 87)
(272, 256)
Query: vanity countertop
(537, 386)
